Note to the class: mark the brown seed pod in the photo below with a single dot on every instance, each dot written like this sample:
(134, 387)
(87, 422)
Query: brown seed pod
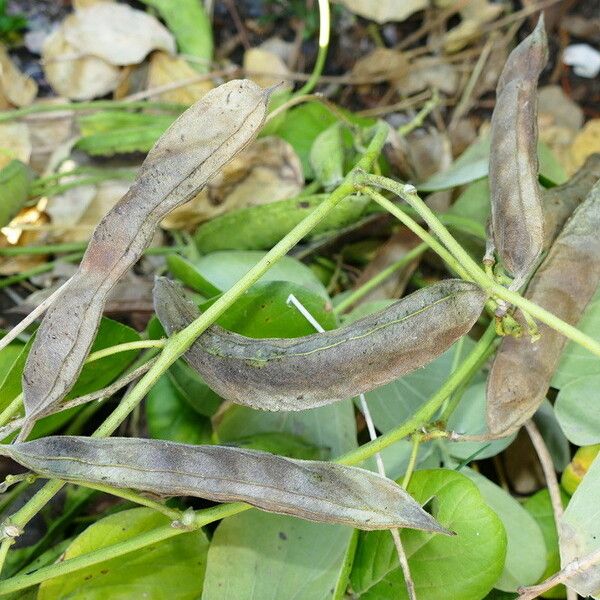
(310, 371)
(564, 284)
(313, 490)
(201, 141)
(516, 206)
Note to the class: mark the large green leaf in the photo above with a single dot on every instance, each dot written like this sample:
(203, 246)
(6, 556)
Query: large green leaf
(169, 416)
(580, 531)
(577, 361)
(169, 570)
(8, 356)
(224, 269)
(540, 508)
(577, 409)
(463, 567)
(526, 550)
(260, 556)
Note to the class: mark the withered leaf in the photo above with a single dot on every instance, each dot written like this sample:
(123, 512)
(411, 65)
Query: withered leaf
(517, 219)
(563, 284)
(199, 143)
(312, 490)
(318, 369)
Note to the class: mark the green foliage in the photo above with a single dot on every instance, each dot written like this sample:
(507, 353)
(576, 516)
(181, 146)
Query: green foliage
(10, 24)
(463, 567)
(173, 568)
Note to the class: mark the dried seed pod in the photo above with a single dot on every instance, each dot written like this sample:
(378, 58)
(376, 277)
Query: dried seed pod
(560, 202)
(313, 490)
(564, 284)
(201, 141)
(517, 219)
(305, 372)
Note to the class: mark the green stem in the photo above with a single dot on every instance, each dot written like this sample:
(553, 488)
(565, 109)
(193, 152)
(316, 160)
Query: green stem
(76, 247)
(412, 461)
(11, 115)
(324, 26)
(53, 190)
(364, 289)
(446, 256)
(203, 517)
(420, 117)
(136, 498)
(181, 341)
(124, 348)
(37, 270)
(474, 271)
(138, 542)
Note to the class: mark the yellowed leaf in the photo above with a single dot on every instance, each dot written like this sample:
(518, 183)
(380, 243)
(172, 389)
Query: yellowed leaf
(267, 171)
(116, 33)
(381, 64)
(383, 11)
(75, 76)
(585, 143)
(266, 68)
(16, 89)
(165, 69)
(14, 143)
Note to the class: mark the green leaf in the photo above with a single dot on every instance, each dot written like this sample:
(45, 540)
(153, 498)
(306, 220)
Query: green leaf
(8, 356)
(191, 27)
(263, 311)
(397, 401)
(107, 133)
(576, 361)
(173, 568)
(473, 164)
(554, 438)
(193, 390)
(261, 227)
(169, 417)
(94, 376)
(15, 180)
(327, 156)
(463, 567)
(285, 444)
(304, 123)
(539, 507)
(474, 202)
(224, 269)
(260, 556)
(526, 550)
(577, 410)
(469, 417)
(580, 531)
(189, 274)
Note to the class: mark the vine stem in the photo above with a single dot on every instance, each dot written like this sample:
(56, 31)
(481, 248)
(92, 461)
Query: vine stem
(476, 274)
(324, 27)
(203, 517)
(180, 342)
(364, 289)
(11, 115)
(573, 568)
